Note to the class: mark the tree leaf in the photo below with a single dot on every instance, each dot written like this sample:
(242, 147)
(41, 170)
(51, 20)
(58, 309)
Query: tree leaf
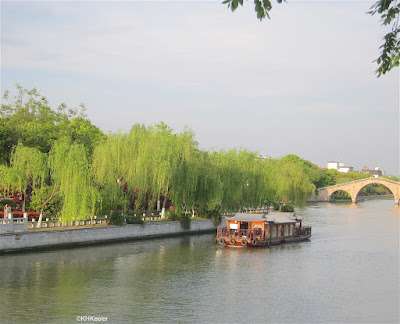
(235, 4)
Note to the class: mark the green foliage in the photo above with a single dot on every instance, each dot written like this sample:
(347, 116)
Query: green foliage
(28, 119)
(134, 220)
(27, 172)
(185, 222)
(64, 171)
(172, 215)
(84, 170)
(311, 171)
(152, 162)
(6, 141)
(262, 7)
(215, 214)
(392, 178)
(287, 208)
(51, 208)
(336, 177)
(290, 181)
(389, 14)
(325, 180)
(374, 189)
(116, 219)
(82, 131)
(30, 166)
(216, 218)
(70, 172)
(145, 163)
(275, 205)
(340, 194)
(184, 219)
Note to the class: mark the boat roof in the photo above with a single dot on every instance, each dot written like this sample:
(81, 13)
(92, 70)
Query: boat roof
(242, 217)
(275, 217)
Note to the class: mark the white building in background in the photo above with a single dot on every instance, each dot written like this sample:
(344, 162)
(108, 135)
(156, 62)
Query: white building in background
(339, 166)
(333, 165)
(377, 172)
(345, 169)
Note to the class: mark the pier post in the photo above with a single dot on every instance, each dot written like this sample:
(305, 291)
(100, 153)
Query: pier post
(7, 212)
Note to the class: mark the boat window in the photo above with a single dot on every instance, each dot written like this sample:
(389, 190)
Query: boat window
(244, 225)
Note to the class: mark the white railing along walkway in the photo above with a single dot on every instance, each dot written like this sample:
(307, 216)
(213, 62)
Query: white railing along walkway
(11, 224)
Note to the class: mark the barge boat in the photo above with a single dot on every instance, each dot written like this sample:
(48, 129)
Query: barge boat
(262, 229)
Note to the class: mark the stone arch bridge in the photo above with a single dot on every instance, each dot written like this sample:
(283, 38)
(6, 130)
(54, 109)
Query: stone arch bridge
(353, 188)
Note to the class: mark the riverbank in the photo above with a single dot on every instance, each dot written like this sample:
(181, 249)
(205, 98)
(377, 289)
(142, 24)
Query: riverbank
(74, 237)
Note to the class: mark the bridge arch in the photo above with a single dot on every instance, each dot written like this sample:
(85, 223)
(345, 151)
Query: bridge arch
(354, 188)
(340, 193)
(361, 188)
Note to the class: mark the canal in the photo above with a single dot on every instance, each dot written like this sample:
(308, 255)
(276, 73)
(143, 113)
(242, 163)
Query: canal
(348, 272)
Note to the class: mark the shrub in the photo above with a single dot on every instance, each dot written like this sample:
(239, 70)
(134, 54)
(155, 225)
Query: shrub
(217, 219)
(214, 214)
(275, 205)
(185, 222)
(172, 216)
(287, 208)
(134, 220)
(116, 219)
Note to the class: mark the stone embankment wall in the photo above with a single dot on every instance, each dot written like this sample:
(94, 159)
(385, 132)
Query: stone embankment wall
(91, 235)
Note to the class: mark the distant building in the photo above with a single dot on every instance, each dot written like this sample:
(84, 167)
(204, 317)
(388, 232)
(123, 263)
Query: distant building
(377, 172)
(339, 166)
(345, 169)
(333, 165)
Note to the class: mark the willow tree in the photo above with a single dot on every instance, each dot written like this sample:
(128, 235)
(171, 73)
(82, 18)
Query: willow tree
(289, 181)
(71, 179)
(27, 172)
(117, 167)
(205, 186)
(63, 172)
(256, 189)
(144, 164)
(176, 176)
(231, 179)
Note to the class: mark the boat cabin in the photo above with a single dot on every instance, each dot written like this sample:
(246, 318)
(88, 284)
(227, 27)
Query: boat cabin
(262, 229)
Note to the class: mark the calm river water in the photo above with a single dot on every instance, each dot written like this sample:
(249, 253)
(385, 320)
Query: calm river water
(347, 273)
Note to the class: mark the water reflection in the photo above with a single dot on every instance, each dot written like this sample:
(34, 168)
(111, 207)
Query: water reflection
(347, 272)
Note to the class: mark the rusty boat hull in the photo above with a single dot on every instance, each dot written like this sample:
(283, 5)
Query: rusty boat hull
(243, 242)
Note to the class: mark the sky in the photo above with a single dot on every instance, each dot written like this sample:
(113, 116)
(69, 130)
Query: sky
(300, 83)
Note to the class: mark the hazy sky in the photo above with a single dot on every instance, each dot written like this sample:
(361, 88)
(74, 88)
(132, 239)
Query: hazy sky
(302, 82)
